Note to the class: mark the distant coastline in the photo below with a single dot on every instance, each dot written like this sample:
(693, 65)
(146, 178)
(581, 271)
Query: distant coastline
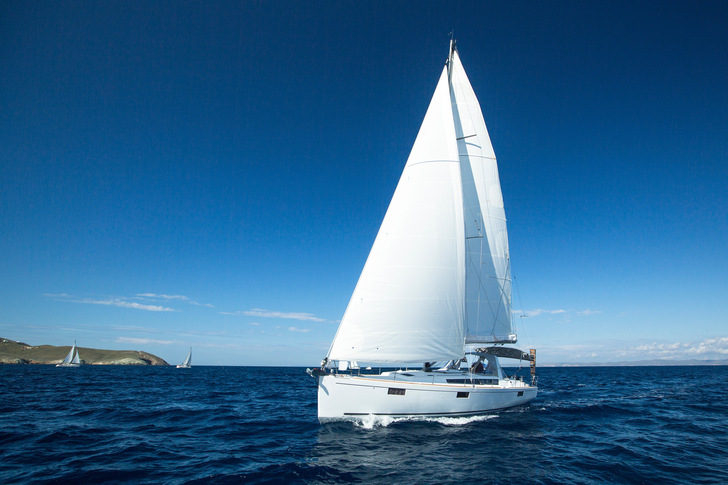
(13, 352)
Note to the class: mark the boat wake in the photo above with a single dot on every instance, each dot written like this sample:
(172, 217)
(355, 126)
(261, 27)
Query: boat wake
(371, 421)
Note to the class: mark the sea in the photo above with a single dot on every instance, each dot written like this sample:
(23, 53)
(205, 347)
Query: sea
(220, 425)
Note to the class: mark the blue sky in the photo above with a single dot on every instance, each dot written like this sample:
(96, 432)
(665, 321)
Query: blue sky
(177, 174)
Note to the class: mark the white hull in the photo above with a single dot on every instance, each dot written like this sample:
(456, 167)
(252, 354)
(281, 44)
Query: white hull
(182, 366)
(68, 365)
(417, 393)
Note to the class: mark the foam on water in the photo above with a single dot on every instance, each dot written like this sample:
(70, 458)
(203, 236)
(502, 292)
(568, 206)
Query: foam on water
(372, 421)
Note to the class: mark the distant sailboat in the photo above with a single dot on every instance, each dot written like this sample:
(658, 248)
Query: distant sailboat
(188, 361)
(72, 359)
(437, 284)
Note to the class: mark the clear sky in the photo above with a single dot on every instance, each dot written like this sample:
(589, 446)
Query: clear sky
(213, 174)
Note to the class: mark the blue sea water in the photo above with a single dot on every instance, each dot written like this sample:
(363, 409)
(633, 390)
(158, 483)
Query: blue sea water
(123, 424)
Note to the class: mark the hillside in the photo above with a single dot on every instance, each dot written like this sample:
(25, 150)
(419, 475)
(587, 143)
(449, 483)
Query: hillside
(12, 352)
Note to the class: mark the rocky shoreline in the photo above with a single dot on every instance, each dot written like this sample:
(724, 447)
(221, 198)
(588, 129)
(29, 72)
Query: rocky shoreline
(12, 352)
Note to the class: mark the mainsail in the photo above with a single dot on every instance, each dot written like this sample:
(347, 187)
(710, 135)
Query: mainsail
(438, 276)
(76, 359)
(69, 357)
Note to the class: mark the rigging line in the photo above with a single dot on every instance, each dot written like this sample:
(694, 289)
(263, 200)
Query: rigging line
(482, 290)
(488, 222)
(495, 312)
(501, 287)
(481, 287)
(520, 302)
(449, 60)
(473, 206)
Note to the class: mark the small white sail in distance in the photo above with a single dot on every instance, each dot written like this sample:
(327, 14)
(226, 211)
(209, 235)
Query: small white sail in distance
(188, 361)
(72, 359)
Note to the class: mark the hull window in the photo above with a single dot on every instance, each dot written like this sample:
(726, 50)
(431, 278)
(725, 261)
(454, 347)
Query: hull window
(395, 392)
(463, 395)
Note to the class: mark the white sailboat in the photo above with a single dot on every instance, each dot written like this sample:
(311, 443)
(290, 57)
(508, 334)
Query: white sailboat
(436, 287)
(72, 359)
(188, 361)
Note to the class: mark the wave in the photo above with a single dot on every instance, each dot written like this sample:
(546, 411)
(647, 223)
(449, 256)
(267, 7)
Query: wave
(374, 421)
(253, 425)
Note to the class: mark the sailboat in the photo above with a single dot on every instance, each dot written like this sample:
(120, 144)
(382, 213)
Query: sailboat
(72, 359)
(188, 361)
(431, 313)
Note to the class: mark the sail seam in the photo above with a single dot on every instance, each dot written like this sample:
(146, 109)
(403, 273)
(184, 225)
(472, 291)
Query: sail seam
(431, 161)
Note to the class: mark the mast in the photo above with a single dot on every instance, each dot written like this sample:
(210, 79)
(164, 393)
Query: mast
(453, 48)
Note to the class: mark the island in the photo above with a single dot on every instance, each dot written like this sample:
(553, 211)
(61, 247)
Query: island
(12, 352)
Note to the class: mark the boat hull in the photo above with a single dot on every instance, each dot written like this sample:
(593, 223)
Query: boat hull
(343, 396)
